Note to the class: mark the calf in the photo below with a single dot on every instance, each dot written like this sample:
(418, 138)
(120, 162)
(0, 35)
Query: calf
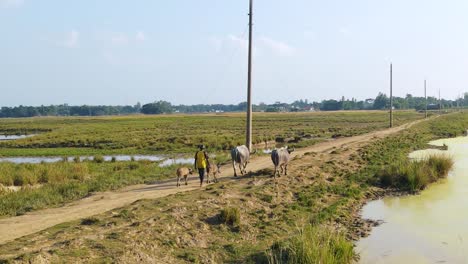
(214, 170)
(183, 172)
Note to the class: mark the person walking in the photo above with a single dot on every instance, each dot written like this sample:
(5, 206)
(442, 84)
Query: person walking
(201, 163)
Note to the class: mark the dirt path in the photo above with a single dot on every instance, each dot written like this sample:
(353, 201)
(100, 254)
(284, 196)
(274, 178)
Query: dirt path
(16, 227)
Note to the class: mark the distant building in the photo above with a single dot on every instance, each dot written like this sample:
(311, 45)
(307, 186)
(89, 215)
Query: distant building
(433, 107)
(369, 103)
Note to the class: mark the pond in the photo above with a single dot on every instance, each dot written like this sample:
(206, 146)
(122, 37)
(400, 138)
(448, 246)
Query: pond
(169, 162)
(428, 228)
(165, 161)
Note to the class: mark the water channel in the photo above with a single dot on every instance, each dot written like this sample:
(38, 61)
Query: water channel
(13, 137)
(165, 160)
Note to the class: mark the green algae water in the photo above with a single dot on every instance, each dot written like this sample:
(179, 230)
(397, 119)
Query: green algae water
(428, 228)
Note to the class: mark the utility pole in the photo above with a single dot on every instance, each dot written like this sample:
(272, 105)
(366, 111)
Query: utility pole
(391, 95)
(249, 82)
(440, 104)
(425, 95)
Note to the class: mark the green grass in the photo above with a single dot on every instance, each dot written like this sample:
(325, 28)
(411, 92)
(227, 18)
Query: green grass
(319, 245)
(53, 184)
(230, 216)
(415, 175)
(392, 152)
(72, 136)
(271, 216)
(388, 155)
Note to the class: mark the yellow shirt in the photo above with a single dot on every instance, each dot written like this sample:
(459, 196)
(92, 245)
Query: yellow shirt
(201, 160)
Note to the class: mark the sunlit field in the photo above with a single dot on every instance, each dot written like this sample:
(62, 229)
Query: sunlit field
(70, 136)
(44, 185)
(307, 217)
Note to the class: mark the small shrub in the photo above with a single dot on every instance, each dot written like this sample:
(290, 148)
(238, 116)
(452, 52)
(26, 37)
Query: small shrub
(89, 221)
(266, 198)
(313, 245)
(79, 172)
(113, 235)
(125, 214)
(190, 257)
(118, 167)
(98, 159)
(230, 216)
(113, 159)
(18, 180)
(133, 166)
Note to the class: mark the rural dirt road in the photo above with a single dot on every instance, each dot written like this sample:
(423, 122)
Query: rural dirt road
(16, 227)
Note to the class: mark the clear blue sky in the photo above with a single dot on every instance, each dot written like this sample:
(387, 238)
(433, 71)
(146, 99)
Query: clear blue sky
(194, 51)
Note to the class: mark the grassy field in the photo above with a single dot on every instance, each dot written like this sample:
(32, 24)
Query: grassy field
(46, 185)
(307, 217)
(71, 136)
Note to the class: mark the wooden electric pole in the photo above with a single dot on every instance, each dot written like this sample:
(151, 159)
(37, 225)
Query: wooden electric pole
(249, 82)
(440, 104)
(425, 95)
(391, 95)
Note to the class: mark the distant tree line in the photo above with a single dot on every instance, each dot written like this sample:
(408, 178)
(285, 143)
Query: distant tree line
(66, 110)
(382, 101)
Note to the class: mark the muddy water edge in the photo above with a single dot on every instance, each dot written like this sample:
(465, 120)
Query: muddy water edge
(427, 228)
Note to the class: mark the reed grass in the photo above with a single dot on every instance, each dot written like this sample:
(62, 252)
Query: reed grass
(416, 175)
(313, 245)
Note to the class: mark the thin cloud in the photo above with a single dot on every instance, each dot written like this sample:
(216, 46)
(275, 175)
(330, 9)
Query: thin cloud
(11, 3)
(71, 40)
(278, 47)
(217, 43)
(119, 39)
(140, 36)
(239, 41)
(309, 34)
(345, 32)
(111, 58)
(261, 44)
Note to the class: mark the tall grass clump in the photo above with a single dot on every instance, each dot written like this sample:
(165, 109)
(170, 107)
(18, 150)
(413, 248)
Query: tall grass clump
(230, 216)
(313, 245)
(415, 175)
(441, 164)
(98, 159)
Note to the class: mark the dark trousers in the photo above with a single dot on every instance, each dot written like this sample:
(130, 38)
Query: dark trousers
(201, 172)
